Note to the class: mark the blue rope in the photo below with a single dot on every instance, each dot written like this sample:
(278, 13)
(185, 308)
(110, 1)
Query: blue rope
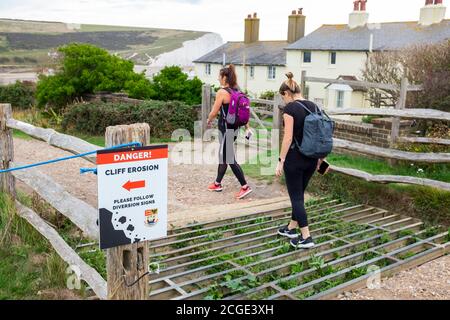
(138, 144)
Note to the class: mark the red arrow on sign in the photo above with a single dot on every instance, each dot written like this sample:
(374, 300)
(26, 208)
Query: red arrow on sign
(134, 185)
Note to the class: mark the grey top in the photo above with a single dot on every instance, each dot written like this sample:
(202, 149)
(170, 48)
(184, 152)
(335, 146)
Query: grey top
(386, 36)
(257, 53)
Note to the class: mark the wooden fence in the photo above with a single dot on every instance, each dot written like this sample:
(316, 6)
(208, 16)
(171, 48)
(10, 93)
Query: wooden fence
(81, 214)
(390, 154)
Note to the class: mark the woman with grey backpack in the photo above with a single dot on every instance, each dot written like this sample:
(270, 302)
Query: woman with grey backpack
(307, 141)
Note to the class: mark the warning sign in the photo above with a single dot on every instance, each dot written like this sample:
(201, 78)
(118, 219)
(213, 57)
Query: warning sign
(132, 195)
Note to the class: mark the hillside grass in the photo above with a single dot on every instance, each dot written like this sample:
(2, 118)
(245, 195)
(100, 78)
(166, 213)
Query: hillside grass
(29, 267)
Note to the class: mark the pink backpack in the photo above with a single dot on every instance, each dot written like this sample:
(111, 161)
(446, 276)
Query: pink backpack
(239, 109)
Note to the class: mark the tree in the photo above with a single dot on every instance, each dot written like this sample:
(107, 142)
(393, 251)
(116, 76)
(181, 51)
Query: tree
(173, 84)
(383, 67)
(89, 69)
(428, 65)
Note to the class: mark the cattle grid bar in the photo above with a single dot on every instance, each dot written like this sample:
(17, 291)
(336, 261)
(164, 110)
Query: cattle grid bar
(244, 258)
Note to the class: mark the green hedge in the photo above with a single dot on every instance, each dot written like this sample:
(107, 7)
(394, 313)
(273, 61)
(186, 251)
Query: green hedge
(163, 117)
(19, 95)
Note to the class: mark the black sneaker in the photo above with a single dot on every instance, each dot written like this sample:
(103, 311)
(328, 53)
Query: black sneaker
(285, 232)
(301, 243)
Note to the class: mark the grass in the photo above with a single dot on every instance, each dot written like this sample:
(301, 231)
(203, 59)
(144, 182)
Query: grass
(439, 172)
(28, 264)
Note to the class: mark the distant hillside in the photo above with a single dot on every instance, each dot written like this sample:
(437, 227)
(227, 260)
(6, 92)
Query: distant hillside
(25, 42)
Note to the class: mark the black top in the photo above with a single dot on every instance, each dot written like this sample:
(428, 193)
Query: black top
(295, 110)
(223, 126)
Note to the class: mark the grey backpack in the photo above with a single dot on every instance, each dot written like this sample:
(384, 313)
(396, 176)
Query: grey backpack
(318, 131)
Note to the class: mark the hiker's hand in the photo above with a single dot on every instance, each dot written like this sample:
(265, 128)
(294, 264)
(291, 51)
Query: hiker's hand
(209, 124)
(279, 169)
(319, 162)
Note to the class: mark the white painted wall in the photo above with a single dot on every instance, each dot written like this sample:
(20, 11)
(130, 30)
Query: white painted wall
(255, 86)
(347, 63)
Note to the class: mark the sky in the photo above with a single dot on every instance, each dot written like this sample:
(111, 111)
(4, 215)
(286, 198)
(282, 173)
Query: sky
(225, 17)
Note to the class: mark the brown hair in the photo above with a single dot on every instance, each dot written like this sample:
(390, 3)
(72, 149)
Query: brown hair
(290, 85)
(230, 73)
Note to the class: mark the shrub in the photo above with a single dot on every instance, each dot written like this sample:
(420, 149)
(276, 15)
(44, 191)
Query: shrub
(173, 84)
(163, 117)
(19, 94)
(88, 69)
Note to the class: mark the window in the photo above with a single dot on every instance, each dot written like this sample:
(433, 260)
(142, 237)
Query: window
(340, 99)
(333, 58)
(208, 69)
(252, 72)
(306, 56)
(272, 72)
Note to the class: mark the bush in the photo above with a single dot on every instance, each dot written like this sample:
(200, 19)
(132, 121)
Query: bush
(19, 94)
(173, 84)
(88, 69)
(163, 117)
(268, 95)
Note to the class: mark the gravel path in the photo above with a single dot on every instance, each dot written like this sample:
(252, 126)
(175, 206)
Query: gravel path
(430, 281)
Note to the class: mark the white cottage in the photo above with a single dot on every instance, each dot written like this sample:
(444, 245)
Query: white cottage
(260, 65)
(340, 51)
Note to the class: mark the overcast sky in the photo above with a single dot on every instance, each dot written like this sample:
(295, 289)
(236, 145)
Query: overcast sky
(222, 16)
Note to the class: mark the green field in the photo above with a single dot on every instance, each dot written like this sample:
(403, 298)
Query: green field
(27, 43)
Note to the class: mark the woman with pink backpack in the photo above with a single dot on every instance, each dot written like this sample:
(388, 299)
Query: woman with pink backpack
(233, 108)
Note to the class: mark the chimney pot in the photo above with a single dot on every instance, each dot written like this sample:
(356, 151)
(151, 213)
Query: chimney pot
(300, 11)
(294, 12)
(249, 16)
(255, 15)
(363, 5)
(356, 6)
(433, 12)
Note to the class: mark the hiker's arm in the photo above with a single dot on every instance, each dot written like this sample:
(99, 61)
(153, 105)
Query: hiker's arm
(216, 107)
(288, 134)
(287, 141)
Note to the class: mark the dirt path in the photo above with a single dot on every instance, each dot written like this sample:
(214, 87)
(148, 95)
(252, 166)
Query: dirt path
(187, 183)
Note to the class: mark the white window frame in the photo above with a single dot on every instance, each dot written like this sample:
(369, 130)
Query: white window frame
(208, 69)
(303, 57)
(340, 99)
(331, 58)
(271, 72)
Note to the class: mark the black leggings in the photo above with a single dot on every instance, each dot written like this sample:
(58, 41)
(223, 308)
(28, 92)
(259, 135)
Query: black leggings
(227, 157)
(298, 171)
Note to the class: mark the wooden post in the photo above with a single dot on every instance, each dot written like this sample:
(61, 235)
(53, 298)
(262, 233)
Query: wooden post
(395, 128)
(206, 106)
(303, 84)
(129, 262)
(277, 120)
(7, 180)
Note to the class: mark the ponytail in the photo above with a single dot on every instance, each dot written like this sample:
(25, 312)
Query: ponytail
(230, 73)
(290, 85)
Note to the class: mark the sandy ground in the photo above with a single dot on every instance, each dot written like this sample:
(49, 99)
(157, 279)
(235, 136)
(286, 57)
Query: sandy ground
(187, 190)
